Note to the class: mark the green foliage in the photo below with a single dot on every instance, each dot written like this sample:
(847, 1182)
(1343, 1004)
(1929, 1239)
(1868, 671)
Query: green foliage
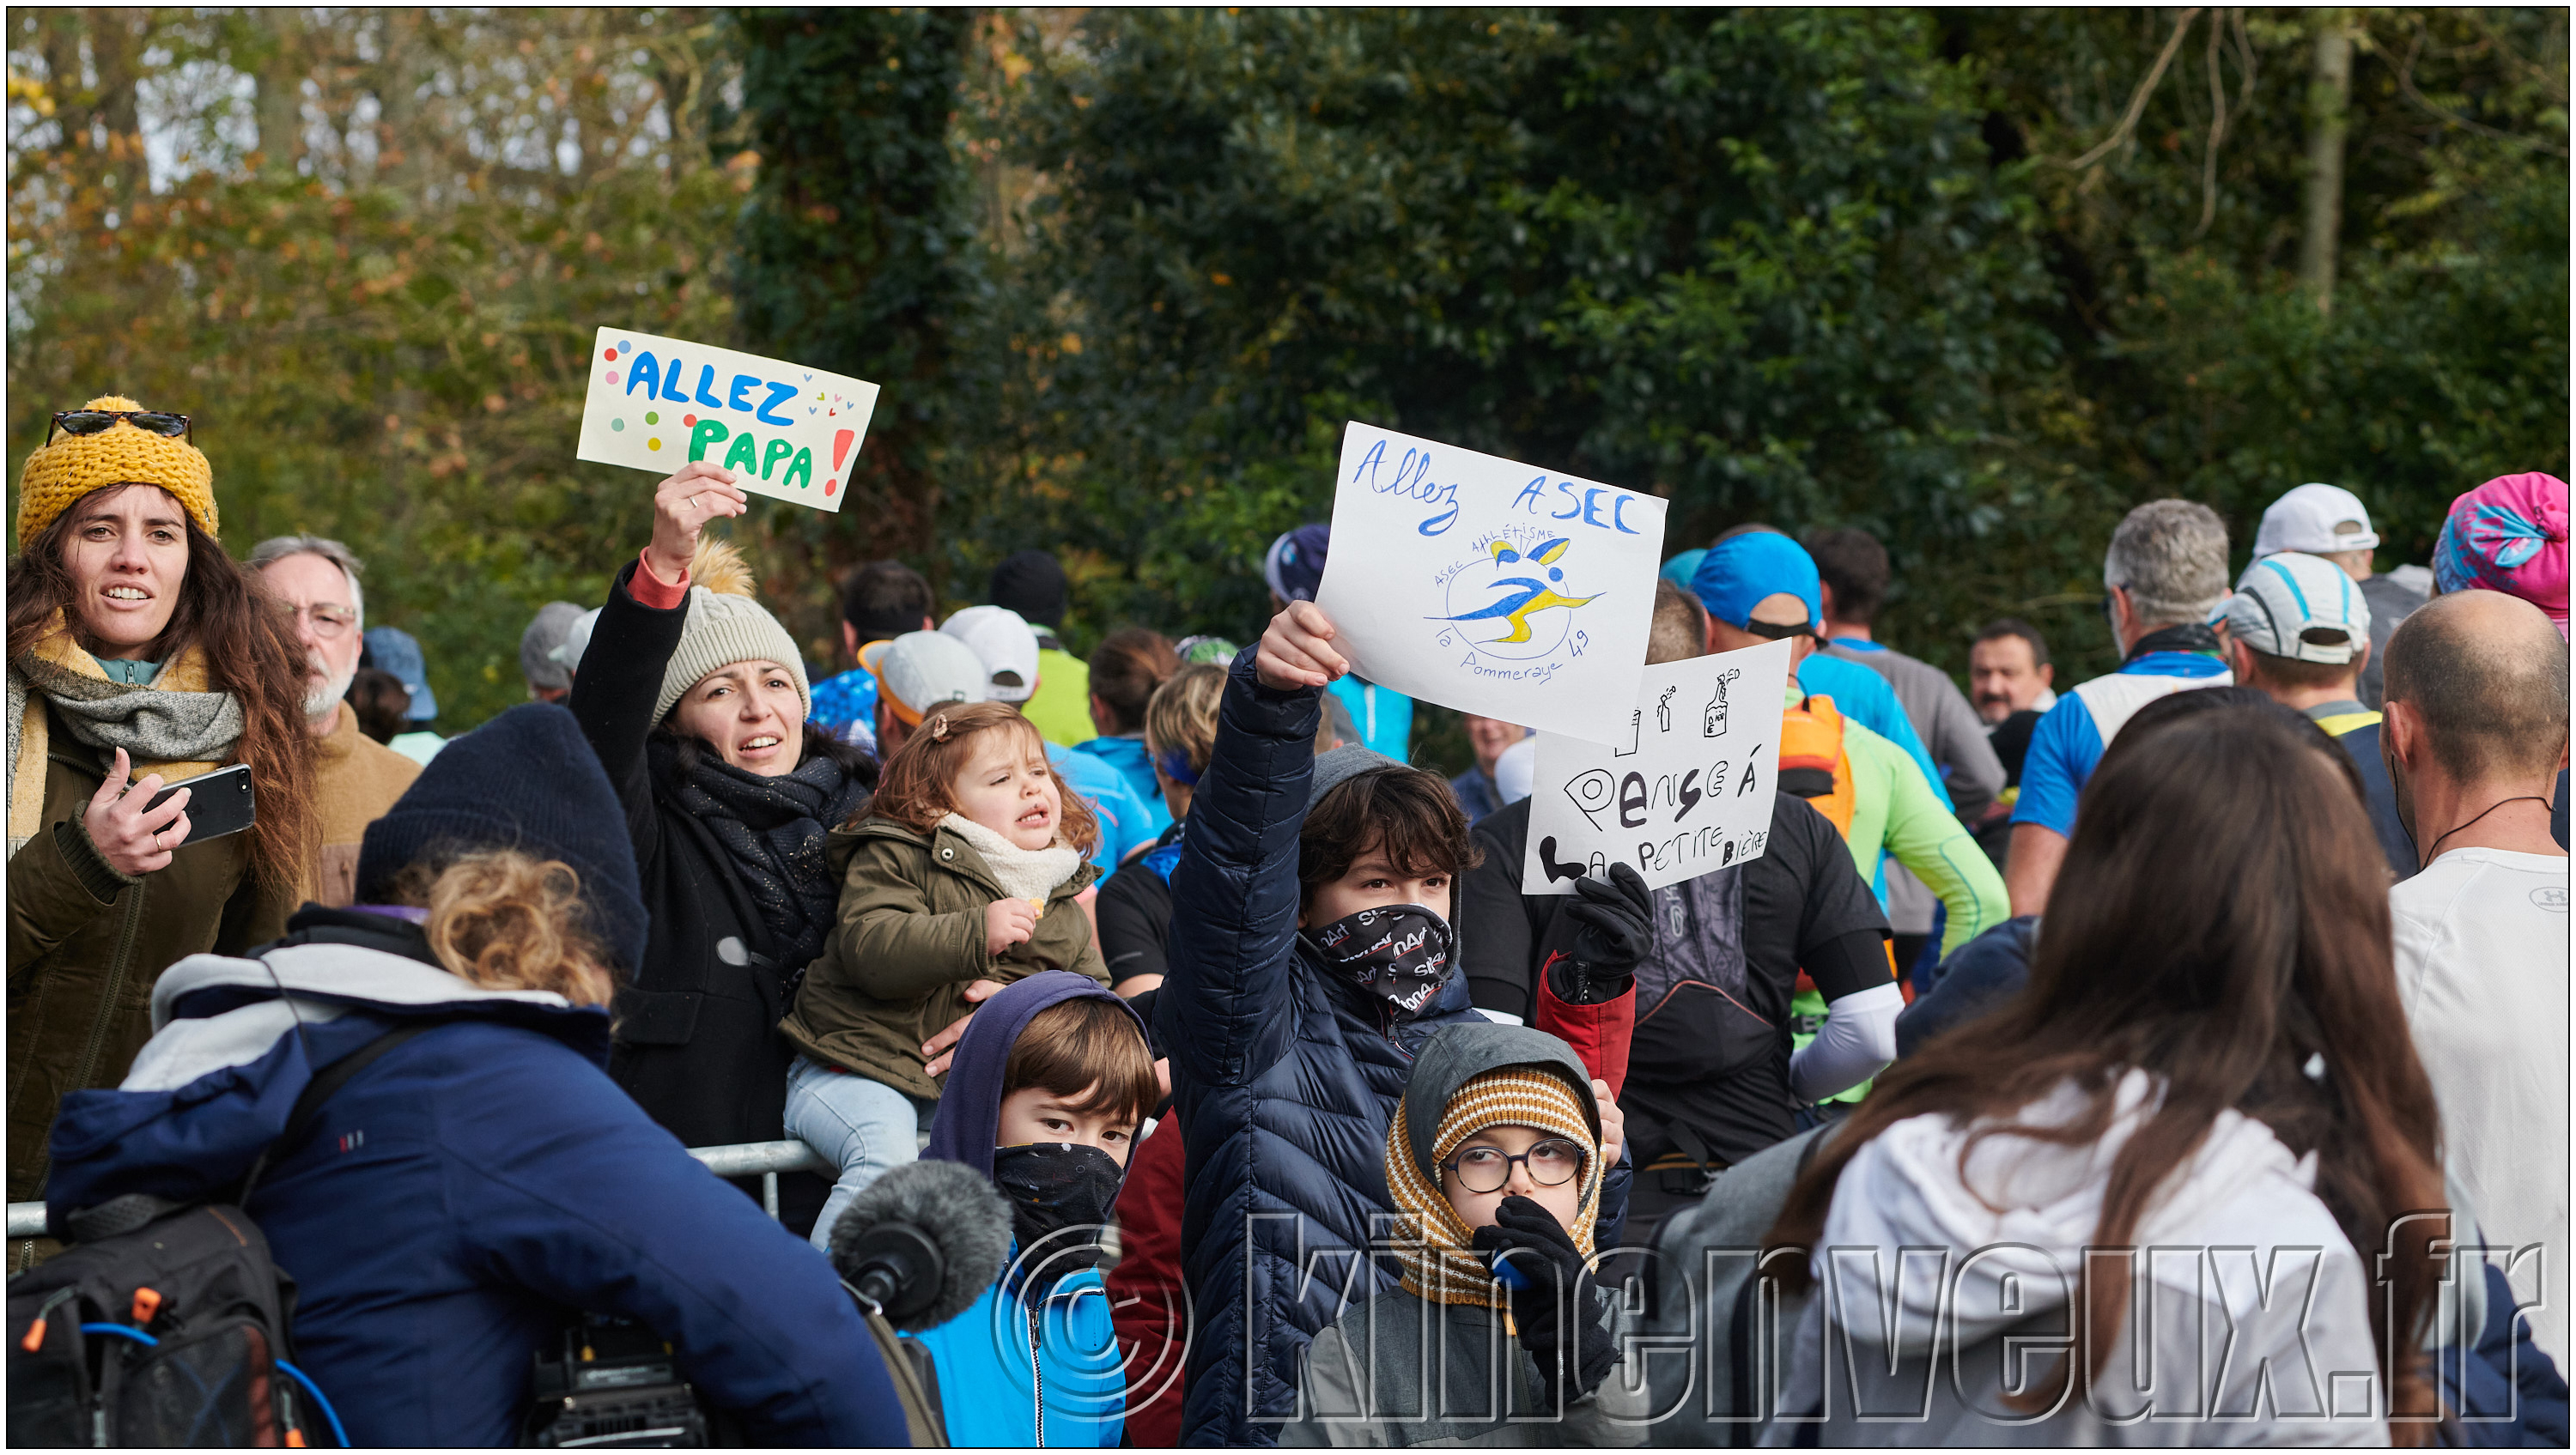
(1755, 261)
(1124, 274)
(858, 251)
(397, 367)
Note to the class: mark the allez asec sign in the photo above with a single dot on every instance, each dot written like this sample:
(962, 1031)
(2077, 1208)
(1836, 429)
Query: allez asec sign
(786, 431)
(1490, 586)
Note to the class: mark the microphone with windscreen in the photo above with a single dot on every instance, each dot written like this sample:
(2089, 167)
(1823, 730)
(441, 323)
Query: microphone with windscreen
(923, 1242)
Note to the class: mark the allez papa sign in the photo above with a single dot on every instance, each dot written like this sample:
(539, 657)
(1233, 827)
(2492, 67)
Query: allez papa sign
(1685, 791)
(784, 430)
(1490, 586)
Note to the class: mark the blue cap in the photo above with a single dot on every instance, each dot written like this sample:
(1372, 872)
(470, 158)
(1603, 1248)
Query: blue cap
(1295, 566)
(391, 649)
(1680, 569)
(1739, 571)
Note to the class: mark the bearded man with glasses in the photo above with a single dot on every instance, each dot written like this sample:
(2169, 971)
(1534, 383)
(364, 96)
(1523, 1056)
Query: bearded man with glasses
(313, 582)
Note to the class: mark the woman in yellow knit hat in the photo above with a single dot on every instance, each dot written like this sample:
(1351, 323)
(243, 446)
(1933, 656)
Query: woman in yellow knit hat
(139, 655)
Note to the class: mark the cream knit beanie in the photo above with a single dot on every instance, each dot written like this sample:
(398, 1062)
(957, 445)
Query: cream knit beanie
(726, 626)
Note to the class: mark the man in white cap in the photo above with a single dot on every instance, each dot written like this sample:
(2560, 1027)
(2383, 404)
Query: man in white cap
(2330, 522)
(2299, 631)
(916, 672)
(1008, 648)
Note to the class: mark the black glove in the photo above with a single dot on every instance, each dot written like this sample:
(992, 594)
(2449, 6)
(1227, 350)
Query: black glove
(1544, 1254)
(1592, 954)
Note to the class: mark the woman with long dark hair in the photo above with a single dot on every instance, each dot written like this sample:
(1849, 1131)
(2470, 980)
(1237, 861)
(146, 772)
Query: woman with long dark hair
(2210, 1064)
(696, 701)
(139, 654)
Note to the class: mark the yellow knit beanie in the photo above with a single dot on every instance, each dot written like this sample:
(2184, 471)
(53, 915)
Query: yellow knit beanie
(76, 464)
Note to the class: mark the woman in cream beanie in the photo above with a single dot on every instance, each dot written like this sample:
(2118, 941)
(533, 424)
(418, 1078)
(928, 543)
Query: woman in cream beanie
(696, 701)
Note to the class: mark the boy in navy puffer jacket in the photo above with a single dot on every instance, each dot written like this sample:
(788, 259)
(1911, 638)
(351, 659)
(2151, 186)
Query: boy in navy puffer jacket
(1310, 959)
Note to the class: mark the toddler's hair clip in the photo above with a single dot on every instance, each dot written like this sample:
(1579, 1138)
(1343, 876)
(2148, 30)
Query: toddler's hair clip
(939, 728)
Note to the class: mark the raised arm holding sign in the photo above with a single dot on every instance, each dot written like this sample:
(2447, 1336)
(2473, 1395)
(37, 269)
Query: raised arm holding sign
(1489, 586)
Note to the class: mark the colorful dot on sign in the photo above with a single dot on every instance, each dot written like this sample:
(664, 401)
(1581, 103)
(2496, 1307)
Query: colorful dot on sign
(623, 346)
(652, 417)
(653, 444)
(617, 424)
(831, 485)
(612, 376)
(690, 420)
(610, 355)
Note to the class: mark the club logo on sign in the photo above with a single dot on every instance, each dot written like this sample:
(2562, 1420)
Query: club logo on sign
(1518, 599)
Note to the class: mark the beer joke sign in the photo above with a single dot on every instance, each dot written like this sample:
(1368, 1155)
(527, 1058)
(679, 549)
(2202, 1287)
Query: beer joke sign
(1685, 791)
(784, 430)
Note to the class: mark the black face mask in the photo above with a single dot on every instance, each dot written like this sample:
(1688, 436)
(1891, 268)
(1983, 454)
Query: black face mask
(1053, 1186)
(1399, 952)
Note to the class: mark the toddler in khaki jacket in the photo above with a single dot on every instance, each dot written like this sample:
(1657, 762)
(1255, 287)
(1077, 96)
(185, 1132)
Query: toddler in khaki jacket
(965, 869)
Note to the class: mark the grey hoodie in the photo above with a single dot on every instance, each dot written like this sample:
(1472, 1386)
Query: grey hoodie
(1398, 1370)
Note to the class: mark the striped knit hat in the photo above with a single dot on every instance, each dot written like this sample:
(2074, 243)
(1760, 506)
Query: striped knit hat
(1441, 1265)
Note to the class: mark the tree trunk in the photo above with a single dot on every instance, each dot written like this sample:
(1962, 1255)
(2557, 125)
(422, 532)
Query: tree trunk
(281, 95)
(401, 153)
(2329, 95)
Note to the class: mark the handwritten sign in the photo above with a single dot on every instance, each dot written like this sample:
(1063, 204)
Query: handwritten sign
(785, 430)
(1685, 791)
(1489, 586)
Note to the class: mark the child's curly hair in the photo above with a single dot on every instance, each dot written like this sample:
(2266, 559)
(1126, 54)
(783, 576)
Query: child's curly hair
(914, 791)
(508, 920)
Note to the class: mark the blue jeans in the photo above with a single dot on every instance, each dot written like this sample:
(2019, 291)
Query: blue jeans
(863, 1126)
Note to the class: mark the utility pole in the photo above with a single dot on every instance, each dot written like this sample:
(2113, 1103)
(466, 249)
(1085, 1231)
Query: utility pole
(2329, 99)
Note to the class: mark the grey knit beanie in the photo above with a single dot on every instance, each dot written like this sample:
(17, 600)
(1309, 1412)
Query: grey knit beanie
(723, 629)
(1341, 765)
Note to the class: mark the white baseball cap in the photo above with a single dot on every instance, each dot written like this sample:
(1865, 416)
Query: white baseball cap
(920, 670)
(576, 641)
(1516, 770)
(1005, 644)
(2297, 606)
(2306, 520)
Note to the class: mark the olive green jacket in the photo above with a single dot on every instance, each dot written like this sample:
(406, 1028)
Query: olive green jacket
(86, 945)
(911, 937)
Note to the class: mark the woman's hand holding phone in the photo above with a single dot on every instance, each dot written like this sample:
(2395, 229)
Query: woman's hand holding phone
(132, 834)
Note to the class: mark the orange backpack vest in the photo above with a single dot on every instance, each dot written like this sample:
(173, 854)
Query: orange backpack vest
(1811, 738)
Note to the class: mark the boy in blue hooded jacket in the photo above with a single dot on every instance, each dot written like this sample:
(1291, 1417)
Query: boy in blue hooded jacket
(1044, 1095)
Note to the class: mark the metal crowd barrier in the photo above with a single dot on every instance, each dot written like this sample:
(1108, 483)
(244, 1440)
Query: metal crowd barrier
(742, 1159)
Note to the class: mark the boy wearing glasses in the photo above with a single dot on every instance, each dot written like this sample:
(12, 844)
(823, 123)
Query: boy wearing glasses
(1495, 1333)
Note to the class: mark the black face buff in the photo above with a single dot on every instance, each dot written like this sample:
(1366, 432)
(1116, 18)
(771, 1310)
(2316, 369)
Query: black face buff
(1399, 952)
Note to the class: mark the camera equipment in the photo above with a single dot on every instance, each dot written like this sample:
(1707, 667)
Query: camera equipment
(612, 1384)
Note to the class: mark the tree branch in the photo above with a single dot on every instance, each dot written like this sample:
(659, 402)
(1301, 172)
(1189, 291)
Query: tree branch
(2406, 85)
(2138, 100)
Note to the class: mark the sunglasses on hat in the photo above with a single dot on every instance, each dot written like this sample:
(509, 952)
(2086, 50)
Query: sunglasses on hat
(91, 421)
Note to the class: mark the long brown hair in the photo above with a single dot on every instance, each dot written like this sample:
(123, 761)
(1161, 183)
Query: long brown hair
(914, 791)
(2221, 918)
(251, 652)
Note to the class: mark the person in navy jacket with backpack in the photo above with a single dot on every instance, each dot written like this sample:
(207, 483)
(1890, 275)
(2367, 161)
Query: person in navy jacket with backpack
(466, 1193)
(1310, 959)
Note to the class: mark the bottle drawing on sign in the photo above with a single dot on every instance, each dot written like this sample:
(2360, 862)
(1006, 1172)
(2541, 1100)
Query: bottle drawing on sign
(1713, 720)
(1664, 710)
(1636, 725)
